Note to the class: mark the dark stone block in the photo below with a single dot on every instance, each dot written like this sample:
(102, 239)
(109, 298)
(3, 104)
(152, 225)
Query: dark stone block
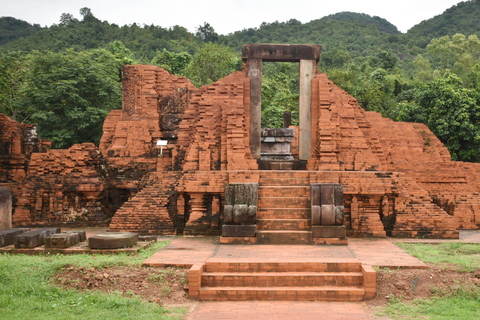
(113, 240)
(7, 237)
(240, 214)
(228, 214)
(253, 187)
(278, 132)
(239, 231)
(329, 232)
(338, 195)
(339, 215)
(327, 192)
(328, 215)
(287, 119)
(35, 238)
(316, 215)
(82, 236)
(241, 194)
(230, 194)
(315, 194)
(61, 240)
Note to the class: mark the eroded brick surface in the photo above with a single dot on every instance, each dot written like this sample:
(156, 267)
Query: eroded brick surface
(398, 178)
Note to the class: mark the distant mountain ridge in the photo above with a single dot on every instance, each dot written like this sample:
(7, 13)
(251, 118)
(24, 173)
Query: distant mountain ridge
(358, 33)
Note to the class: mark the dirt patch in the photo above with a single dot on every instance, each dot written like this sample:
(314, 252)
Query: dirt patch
(164, 286)
(409, 284)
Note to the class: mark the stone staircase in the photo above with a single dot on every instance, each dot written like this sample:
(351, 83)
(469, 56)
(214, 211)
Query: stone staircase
(283, 215)
(294, 281)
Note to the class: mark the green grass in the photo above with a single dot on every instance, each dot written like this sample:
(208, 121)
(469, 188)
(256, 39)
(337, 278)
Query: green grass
(25, 291)
(463, 303)
(464, 257)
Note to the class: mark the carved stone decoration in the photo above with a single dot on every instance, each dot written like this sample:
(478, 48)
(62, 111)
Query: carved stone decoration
(327, 210)
(240, 211)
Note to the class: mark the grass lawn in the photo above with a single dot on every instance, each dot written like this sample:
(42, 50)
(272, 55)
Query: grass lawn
(25, 291)
(463, 303)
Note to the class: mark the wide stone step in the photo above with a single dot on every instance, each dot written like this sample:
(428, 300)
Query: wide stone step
(321, 293)
(283, 182)
(283, 213)
(284, 202)
(284, 224)
(283, 237)
(282, 266)
(275, 174)
(281, 279)
(281, 191)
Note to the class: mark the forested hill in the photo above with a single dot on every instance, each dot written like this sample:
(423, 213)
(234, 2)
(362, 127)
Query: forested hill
(12, 29)
(67, 77)
(358, 34)
(462, 18)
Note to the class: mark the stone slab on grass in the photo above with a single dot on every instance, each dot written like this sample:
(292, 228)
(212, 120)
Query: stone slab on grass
(7, 237)
(113, 240)
(35, 238)
(82, 235)
(62, 240)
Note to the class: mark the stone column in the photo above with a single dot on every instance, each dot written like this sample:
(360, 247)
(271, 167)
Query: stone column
(254, 72)
(5, 209)
(307, 73)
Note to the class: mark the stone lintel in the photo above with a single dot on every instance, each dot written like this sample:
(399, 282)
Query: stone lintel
(281, 52)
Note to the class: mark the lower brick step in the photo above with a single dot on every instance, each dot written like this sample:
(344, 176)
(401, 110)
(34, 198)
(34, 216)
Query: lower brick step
(283, 237)
(281, 266)
(281, 279)
(322, 293)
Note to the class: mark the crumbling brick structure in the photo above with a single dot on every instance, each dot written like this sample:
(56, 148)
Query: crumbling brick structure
(397, 178)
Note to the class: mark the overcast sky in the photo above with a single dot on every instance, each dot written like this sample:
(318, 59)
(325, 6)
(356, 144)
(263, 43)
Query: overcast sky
(225, 16)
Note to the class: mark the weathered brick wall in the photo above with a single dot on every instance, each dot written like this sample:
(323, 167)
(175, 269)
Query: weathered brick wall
(17, 142)
(351, 139)
(62, 186)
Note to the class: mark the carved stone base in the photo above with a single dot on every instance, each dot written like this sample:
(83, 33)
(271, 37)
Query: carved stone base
(339, 232)
(239, 231)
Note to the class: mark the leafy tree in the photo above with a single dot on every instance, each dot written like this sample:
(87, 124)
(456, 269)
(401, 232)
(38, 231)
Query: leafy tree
(206, 33)
(210, 63)
(67, 18)
(175, 63)
(451, 112)
(71, 93)
(14, 68)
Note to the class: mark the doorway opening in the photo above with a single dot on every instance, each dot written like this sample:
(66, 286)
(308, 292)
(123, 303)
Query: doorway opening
(280, 94)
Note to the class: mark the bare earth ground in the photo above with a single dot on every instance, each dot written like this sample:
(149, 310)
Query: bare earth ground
(165, 286)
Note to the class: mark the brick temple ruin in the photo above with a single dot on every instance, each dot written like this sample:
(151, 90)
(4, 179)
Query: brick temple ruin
(167, 158)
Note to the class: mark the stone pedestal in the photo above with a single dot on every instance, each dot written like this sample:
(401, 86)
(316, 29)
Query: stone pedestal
(240, 211)
(327, 213)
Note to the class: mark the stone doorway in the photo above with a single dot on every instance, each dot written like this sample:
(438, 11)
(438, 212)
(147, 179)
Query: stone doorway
(308, 56)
